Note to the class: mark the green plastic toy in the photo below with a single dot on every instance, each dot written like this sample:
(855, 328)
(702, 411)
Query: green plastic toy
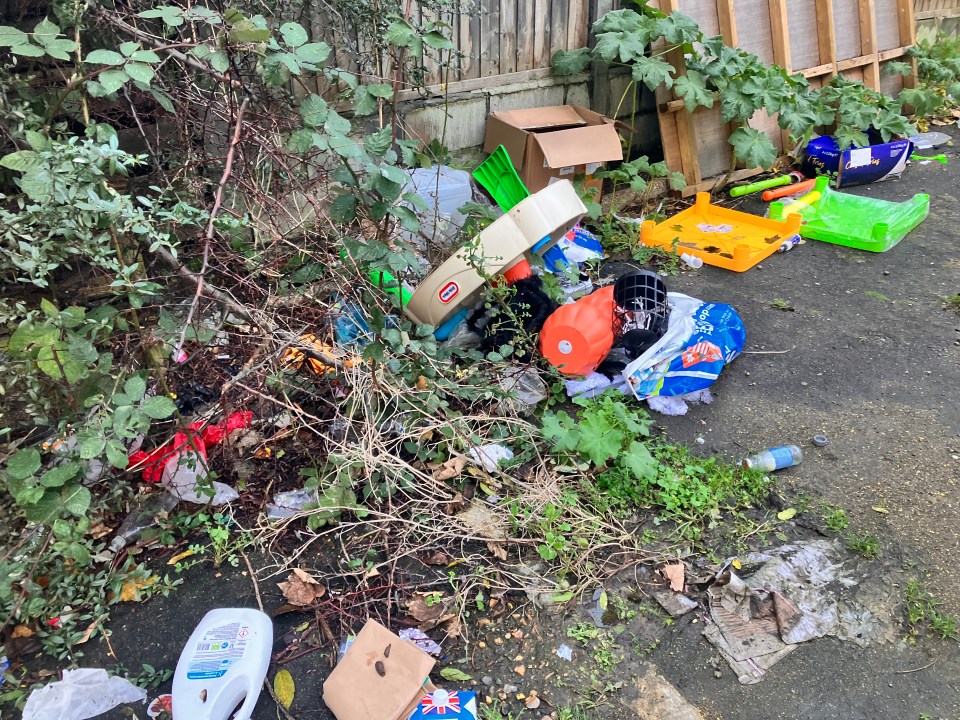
(500, 179)
(942, 159)
(852, 220)
(778, 181)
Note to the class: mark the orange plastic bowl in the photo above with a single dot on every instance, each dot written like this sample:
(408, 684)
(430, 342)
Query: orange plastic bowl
(576, 338)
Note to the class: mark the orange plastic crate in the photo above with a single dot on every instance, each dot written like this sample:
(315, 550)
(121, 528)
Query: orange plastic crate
(726, 238)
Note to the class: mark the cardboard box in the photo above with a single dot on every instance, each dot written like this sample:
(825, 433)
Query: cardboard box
(448, 704)
(380, 677)
(551, 143)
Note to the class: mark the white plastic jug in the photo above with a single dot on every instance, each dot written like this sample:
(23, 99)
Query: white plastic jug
(223, 664)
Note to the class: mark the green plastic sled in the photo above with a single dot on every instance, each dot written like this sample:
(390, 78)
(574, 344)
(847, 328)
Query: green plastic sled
(858, 222)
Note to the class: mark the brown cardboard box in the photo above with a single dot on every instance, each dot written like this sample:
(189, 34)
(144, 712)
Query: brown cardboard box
(356, 689)
(554, 142)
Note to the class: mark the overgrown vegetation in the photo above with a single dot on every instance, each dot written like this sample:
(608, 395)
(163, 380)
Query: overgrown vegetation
(938, 68)
(644, 41)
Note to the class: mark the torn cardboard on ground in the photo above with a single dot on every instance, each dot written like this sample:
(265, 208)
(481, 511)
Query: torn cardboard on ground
(796, 594)
(380, 677)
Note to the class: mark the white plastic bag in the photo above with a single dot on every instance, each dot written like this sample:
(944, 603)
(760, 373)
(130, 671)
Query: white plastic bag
(185, 473)
(82, 694)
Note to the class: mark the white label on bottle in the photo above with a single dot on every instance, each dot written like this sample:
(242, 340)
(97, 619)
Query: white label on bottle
(217, 651)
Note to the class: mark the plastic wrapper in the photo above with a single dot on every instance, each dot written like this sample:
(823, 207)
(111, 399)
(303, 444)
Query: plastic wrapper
(82, 694)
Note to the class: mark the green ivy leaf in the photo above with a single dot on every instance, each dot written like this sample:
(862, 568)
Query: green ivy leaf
(314, 110)
(300, 141)
(678, 29)
(293, 34)
(315, 53)
(570, 62)
(363, 102)
(60, 475)
(104, 57)
(455, 675)
(344, 208)
(890, 124)
(27, 50)
(21, 161)
(45, 32)
(640, 462)
(145, 56)
(45, 510)
(220, 61)
(400, 33)
(76, 499)
(379, 142)
(896, 67)
(113, 80)
(135, 387)
(753, 147)
(141, 72)
(599, 440)
(437, 40)
(692, 88)
(653, 72)
(23, 463)
(11, 36)
(735, 105)
(117, 454)
(158, 407)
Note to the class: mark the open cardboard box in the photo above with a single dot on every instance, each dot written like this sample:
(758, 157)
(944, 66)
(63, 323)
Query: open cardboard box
(552, 143)
(380, 677)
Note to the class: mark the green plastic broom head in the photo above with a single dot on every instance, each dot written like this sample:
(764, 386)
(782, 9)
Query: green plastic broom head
(498, 176)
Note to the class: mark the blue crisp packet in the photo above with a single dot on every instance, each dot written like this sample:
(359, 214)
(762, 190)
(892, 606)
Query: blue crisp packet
(447, 704)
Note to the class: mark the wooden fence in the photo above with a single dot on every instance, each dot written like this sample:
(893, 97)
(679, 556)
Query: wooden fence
(935, 16)
(818, 38)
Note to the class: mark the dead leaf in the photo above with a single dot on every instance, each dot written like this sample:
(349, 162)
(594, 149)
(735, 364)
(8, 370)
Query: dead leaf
(429, 609)
(450, 469)
(100, 530)
(130, 591)
(88, 633)
(180, 556)
(422, 383)
(301, 589)
(880, 509)
(787, 514)
(674, 575)
(263, 453)
(284, 688)
(456, 505)
(497, 550)
(436, 558)
(22, 631)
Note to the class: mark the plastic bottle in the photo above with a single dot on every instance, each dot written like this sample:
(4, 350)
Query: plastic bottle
(774, 459)
(223, 664)
(142, 517)
(789, 244)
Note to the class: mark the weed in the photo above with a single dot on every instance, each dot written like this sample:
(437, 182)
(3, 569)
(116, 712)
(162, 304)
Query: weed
(835, 518)
(864, 544)
(624, 238)
(924, 615)
(577, 712)
(781, 304)
(877, 295)
(583, 632)
(496, 711)
(952, 303)
(148, 678)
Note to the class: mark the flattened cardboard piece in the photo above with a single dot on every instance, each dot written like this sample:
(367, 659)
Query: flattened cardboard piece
(579, 146)
(546, 144)
(544, 118)
(381, 677)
